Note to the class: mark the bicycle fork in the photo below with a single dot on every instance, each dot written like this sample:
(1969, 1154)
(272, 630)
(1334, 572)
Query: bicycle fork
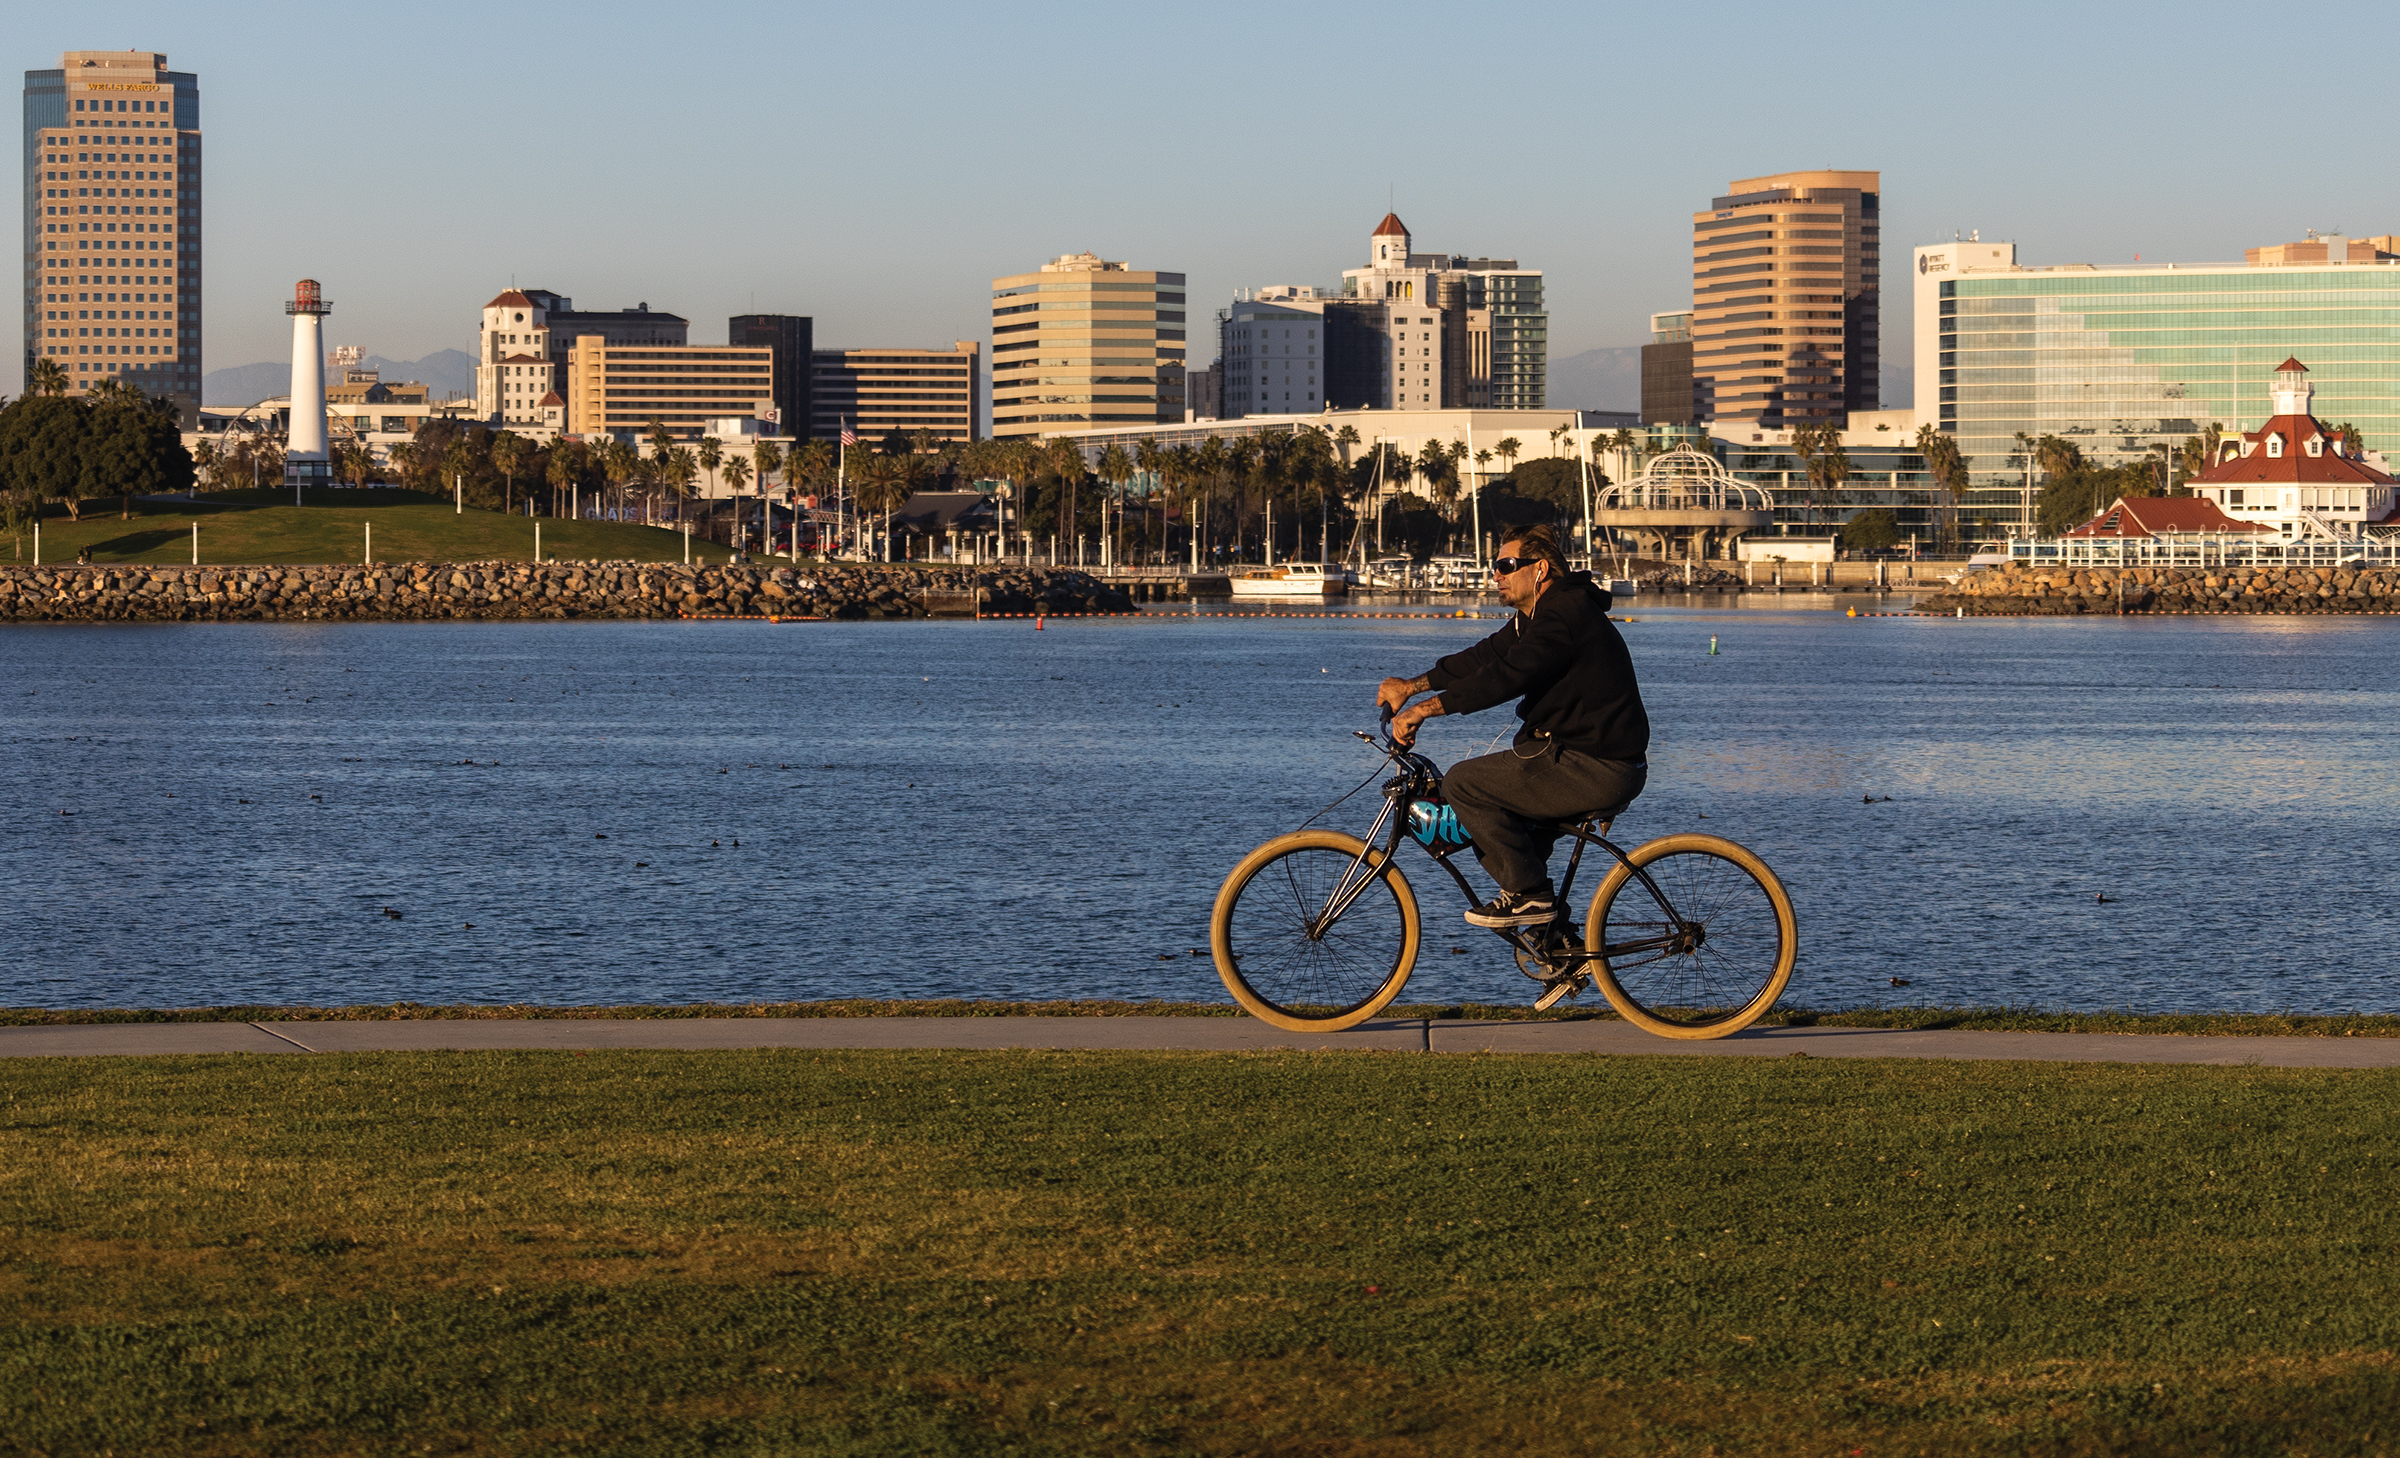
(1361, 873)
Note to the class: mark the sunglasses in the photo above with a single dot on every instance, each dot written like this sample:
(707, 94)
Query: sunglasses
(1502, 566)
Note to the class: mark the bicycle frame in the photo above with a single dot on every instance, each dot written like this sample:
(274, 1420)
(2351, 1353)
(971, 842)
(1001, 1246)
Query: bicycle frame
(1420, 778)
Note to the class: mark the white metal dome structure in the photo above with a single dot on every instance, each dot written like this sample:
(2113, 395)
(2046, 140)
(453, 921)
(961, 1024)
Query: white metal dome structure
(1684, 479)
(1685, 498)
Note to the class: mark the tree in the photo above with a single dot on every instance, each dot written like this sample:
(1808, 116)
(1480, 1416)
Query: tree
(1948, 469)
(1064, 458)
(355, 463)
(565, 466)
(2200, 452)
(1820, 450)
(49, 378)
(737, 475)
(1871, 531)
(510, 452)
(1508, 448)
(882, 485)
(1116, 468)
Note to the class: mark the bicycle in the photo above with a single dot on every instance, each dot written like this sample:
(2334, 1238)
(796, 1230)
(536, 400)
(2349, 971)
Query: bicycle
(1688, 936)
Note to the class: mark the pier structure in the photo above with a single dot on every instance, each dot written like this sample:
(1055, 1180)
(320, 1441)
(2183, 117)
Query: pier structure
(1685, 499)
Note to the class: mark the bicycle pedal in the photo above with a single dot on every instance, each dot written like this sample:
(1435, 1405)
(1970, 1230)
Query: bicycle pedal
(1565, 987)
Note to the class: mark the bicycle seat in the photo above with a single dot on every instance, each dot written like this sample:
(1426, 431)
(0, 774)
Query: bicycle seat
(1586, 822)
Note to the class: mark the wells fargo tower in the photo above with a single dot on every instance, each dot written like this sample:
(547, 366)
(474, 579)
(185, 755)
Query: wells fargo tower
(112, 223)
(1784, 302)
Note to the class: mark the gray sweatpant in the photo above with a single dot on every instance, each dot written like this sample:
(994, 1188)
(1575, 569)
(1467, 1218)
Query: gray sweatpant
(1510, 802)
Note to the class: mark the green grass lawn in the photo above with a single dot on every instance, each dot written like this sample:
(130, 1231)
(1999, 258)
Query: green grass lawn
(243, 527)
(933, 1253)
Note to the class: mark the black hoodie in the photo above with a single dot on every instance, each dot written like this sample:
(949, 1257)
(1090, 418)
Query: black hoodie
(1568, 662)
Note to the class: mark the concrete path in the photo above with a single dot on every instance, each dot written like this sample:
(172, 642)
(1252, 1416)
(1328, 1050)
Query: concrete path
(1239, 1034)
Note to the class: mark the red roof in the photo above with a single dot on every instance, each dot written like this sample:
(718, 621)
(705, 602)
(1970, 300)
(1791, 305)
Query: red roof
(510, 300)
(1391, 224)
(2290, 364)
(522, 359)
(553, 398)
(2295, 466)
(2153, 516)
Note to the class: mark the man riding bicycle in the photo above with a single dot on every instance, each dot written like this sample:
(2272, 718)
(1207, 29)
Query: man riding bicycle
(1582, 746)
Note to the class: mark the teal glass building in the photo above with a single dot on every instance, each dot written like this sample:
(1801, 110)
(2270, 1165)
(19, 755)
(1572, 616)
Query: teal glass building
(2117, 359)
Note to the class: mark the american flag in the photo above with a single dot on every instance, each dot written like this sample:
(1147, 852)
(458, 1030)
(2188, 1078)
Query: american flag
(849, 436)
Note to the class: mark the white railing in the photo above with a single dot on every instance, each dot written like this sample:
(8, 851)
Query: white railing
(2209, 550)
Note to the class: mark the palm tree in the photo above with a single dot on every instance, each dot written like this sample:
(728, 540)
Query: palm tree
(1064, 459)
(49, 377)
(737, 475)
(509, 452)
(1557, 431)
(1949, 471)
(1508, 447)
(565, 466)
(1116, 468)
(710, 453)
(356, 463)
(881, 484)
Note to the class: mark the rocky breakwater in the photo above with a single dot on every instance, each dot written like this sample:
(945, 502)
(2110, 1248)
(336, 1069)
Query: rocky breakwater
(421, 591)
(2020, 589)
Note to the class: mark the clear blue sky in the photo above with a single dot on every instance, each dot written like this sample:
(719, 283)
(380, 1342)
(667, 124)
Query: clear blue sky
(876, 165)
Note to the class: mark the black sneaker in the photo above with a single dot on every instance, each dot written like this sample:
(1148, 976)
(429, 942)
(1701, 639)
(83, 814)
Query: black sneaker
(1515, 908)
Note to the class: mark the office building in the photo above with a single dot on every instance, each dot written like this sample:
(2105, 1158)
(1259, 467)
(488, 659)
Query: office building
(1785, 310)
(2323, 248)
(620, 390)
(1667, 397)
(1083, 343)
(526, 334)
(2117, 359)
(791, 337)
(112, 224)
(1204, 393)
(1271, 351)
(1439, 330)
(876, 392)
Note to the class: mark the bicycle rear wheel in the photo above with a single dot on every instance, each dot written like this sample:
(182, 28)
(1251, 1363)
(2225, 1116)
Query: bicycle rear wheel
(1709, 958)
(1336, 978)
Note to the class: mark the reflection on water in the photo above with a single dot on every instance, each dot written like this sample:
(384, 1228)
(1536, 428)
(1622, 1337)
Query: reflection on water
(673, 812)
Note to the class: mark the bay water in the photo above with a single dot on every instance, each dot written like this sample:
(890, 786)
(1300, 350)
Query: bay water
(2150, 814)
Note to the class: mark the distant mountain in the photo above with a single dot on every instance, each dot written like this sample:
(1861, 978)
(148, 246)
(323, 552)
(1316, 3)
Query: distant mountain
(447, 372)
(1597, 379)
(244, 384)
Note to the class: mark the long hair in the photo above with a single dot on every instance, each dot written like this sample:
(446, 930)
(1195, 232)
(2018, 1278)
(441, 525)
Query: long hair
(1540, 542)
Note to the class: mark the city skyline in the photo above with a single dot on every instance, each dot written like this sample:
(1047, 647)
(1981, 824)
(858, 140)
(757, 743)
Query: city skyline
(851, 212)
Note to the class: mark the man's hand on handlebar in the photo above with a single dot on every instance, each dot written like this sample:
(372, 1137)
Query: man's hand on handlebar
(1404, 723)
(1394, 693)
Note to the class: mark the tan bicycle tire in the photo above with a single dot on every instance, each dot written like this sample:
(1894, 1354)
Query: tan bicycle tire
(1265, 1009)
(1631, 1008)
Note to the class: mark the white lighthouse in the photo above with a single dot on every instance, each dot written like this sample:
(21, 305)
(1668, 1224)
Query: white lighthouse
(305, 461)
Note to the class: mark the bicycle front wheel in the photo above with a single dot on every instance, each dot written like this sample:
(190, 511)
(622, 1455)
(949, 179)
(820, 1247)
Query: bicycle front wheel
(1284, 968)
(1702, 948)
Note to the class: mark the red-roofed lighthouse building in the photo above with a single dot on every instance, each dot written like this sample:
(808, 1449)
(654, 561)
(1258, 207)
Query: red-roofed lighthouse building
(2297, 477)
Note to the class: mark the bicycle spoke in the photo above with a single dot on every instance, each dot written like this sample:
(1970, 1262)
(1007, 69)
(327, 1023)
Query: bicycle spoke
(1342, 966)
(1714, 953)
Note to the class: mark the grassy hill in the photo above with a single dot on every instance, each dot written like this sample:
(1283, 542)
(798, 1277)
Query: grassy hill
(240, 527)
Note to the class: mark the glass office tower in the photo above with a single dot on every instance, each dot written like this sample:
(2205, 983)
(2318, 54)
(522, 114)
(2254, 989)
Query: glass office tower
(2115, 359)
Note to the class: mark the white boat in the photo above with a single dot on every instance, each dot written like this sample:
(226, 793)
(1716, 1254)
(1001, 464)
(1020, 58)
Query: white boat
(1454, 573)
(1620, 586)
(1292, 579)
